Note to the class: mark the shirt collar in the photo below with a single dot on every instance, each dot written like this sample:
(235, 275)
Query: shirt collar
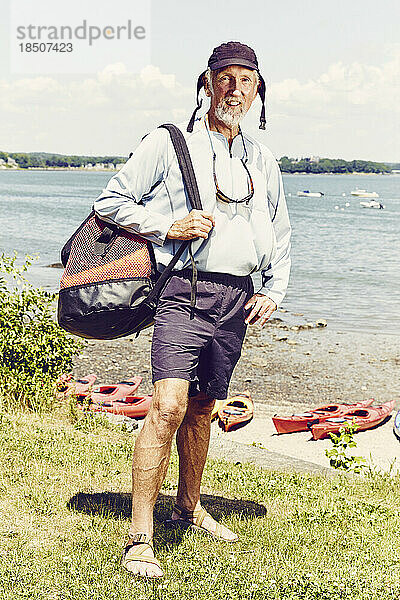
(238, 140)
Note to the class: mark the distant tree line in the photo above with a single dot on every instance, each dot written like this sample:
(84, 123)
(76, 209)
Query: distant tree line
(331, 165)
(43, 159)
(288, 165)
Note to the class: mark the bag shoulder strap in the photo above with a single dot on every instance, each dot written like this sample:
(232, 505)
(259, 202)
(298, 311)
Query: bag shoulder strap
(185, 164)
(190, 183)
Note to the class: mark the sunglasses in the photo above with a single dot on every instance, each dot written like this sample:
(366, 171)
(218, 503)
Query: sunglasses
(223, 197)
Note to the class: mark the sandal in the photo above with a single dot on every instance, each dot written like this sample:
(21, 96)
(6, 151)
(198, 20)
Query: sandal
(132, 553)
(198, 515)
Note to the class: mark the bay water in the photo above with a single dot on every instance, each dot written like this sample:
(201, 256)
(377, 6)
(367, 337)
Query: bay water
(345, 258)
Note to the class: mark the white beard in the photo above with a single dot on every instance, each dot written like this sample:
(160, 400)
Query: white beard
(229, 115)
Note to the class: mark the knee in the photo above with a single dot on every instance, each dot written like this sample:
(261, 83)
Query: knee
(200, 405)
(168, 412)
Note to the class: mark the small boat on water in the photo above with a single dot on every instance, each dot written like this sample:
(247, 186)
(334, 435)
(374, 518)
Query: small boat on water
(372, 204)
(304, 421)
(364, 193)
(364, 418)
(135, 407)
(308, 194)
(236, 411)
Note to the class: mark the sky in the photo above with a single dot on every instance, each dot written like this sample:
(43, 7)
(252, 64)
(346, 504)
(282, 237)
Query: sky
(332, 71)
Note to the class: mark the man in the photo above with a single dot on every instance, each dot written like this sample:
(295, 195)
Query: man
(243, 228)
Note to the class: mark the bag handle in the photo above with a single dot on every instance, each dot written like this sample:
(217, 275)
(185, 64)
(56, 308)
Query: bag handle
(185, 164)
(190, 183)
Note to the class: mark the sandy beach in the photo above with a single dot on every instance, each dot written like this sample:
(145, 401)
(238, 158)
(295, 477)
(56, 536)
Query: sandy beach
(286, 369)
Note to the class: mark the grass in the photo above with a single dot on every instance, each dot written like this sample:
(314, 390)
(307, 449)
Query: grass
(65, 506)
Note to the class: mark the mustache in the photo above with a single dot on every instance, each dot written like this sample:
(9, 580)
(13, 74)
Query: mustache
(232, 98)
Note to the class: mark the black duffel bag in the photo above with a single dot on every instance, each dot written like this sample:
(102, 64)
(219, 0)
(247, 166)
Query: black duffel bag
(110, 285)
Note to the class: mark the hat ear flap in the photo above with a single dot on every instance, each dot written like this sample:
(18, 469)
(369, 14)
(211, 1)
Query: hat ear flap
(200, 84)
(261, 91)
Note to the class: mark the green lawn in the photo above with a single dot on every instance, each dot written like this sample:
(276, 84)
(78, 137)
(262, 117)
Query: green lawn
(65, 511)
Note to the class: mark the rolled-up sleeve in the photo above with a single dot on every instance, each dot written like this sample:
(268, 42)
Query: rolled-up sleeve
(123, 201)
(275, 277)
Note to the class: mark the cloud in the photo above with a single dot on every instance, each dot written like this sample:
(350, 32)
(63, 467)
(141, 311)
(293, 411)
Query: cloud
(132, 91)
(342, 88)
(350, 111)
(110, 111)
(23, 94)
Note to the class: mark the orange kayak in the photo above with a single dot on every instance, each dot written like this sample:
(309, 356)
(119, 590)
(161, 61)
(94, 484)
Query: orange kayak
(304, 421)
(236, 411)
(364, 418)
(135, 407)
(218, 404)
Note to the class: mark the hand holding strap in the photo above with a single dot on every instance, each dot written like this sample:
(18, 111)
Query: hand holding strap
(190, 183)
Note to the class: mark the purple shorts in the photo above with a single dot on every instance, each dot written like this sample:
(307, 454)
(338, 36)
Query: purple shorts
(204, 349)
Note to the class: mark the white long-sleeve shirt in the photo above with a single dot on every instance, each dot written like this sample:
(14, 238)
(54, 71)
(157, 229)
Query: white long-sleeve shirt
(147, 196)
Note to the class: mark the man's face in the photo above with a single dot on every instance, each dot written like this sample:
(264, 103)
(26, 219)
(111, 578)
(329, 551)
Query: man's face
(233, 91)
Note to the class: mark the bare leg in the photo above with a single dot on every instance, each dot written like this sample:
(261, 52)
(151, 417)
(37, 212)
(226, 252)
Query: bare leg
(193, 439)
(151, 458)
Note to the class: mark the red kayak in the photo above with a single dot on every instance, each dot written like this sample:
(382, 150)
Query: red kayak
(304, 421)
(67, 386)
(364, 418)
(109, 393)
(134, 407)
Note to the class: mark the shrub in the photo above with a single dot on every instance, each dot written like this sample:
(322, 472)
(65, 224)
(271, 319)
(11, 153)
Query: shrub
(34, 349)
(339, 455)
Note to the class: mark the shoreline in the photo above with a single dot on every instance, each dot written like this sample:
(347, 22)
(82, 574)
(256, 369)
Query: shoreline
(47, 276)
(60, 169)
(321, 367)
(74, 169)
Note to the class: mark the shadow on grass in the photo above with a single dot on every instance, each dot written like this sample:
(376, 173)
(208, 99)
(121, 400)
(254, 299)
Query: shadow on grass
(120, 505)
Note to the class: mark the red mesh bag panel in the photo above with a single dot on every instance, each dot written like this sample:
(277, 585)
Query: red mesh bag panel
(126, 257)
